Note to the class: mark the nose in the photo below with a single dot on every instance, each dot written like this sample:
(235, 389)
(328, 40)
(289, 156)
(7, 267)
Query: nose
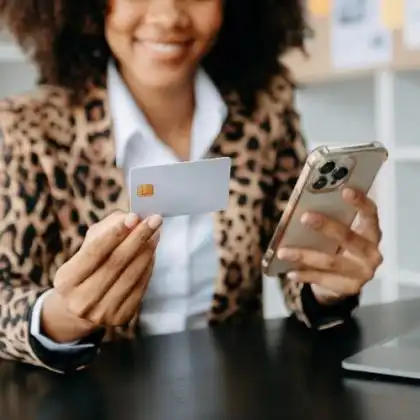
(165, 13)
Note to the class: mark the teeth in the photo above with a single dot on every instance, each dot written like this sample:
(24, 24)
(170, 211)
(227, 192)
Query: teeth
(164, 48)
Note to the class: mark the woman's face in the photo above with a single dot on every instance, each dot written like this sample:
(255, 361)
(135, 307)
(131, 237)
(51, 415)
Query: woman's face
(160, 43)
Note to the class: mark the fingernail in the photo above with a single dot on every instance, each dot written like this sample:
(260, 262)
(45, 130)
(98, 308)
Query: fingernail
(287, 254)
(312, 220)
(154, 221)
(131, 220)
(292, 275)
(281, 253)
(349, 193)
(156, 237)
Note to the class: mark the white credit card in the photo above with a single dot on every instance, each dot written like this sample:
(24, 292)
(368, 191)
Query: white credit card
(184, 188)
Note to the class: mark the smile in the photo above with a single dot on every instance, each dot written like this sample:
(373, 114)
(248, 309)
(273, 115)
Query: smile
(165, 49)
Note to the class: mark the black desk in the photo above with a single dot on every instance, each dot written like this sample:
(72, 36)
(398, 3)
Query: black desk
(274, 371)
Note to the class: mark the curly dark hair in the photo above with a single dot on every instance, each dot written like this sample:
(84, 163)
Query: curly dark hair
(65, 39)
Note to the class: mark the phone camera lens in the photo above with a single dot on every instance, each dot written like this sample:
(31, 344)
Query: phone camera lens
(320, 183)
(327, 167)
(340, 173)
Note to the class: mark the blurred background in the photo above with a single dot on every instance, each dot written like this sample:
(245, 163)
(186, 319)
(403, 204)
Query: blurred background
(359, 82)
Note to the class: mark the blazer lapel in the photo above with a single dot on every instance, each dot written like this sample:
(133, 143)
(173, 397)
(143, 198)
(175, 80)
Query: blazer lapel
(94, 164)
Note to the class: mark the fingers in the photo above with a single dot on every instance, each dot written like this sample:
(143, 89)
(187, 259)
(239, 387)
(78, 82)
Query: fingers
(137, 272)
(368, 214)
(91, 292)
(105, 236)
(138, 241)
(91, 277)
(344, 274)
(98, 230)
(347, 238)
(131, 305)
(315, 260)
(131, 302)
(342, 285)
(132, 245)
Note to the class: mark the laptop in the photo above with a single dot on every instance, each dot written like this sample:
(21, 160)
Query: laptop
(397, 357)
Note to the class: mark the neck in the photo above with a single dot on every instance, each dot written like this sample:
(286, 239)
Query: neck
(169, 111)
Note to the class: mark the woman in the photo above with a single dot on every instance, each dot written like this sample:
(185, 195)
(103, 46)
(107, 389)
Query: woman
(128, 83)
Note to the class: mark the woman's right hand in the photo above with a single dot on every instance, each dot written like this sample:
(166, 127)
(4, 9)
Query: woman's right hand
(104, 282)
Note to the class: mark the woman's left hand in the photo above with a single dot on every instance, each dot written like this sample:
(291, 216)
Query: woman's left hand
(335, 277)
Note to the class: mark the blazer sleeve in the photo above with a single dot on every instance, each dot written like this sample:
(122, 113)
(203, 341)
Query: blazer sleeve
(30, 252)
(291, 153)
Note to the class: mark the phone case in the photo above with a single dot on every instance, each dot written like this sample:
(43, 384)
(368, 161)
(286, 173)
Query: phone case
(319, 188)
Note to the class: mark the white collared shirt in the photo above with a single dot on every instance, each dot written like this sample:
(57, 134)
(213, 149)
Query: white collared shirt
(186, 258)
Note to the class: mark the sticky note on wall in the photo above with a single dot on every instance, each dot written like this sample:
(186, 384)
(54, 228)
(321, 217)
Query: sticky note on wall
(392, 14)
(320, 7)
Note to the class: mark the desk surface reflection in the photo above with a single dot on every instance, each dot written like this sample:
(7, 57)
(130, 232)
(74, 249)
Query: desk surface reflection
(274, 370)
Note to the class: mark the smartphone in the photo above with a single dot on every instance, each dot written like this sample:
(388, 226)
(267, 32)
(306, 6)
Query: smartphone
(319, 188)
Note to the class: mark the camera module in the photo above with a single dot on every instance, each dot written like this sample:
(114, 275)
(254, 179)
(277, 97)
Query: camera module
(340, 173)
(327, 167)
(320, 183)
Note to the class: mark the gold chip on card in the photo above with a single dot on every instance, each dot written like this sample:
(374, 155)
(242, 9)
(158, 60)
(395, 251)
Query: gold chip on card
(145, 190)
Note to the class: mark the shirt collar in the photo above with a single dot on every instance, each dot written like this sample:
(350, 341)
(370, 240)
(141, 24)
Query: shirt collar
(210, 113)
(128, 119)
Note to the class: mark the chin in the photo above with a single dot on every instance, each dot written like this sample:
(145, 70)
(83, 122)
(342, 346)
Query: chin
(163, 78)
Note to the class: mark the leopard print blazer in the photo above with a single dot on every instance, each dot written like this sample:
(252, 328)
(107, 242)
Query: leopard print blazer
(58, 176)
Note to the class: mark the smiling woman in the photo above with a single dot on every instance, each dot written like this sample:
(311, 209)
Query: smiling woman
(164, 57)
(131, 83)
(68, 40)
